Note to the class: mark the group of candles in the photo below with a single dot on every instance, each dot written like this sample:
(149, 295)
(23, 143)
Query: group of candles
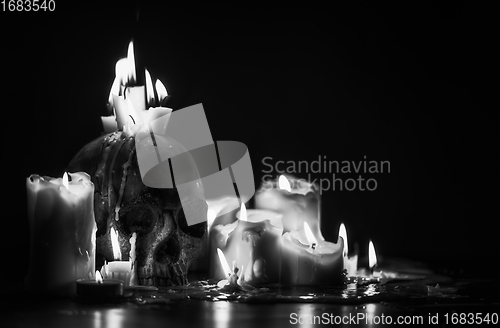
(280, 241)
(63, 239)
(61, 211)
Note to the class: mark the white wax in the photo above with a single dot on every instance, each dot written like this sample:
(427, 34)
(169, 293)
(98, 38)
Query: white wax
(62, 232)
(301, 204)
(109, 123)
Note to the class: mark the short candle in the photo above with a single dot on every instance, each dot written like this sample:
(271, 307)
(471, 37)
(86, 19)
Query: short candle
(99, 288)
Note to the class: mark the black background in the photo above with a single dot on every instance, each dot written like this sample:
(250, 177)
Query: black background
(407, 83)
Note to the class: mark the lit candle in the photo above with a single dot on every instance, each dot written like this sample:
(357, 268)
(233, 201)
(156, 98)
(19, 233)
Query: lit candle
(118, 269)
(313, 263)
(296, 199)
(98, 288)
(62, 232)
(127, 100)
(372, 256)
(252, 243)
(231, 275)
(350, 263)
(132, 105)
(369, 276)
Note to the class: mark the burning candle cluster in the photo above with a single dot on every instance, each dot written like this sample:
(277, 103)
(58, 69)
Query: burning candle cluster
(132, 105)
(275, 242)
(279, 242)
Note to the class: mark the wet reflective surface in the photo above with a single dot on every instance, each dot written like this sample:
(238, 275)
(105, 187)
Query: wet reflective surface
(202, 304)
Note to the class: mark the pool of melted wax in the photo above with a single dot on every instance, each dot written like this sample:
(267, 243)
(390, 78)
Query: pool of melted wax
(351, 293)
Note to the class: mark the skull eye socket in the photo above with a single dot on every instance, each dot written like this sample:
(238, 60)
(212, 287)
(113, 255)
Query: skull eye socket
(137, 218)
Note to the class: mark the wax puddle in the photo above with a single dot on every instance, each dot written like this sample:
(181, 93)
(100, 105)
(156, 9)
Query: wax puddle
(415, 292)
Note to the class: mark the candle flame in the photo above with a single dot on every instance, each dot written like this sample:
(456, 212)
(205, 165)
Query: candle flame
(343, 234)
(211, 215)
(284, 184)
(223, 262)
(161, 90)
(372, 256)
(122, 69)
(150, 93)
(243, 212)
(310, 236)
(65, 181)
(98, 277)
(115, 89)
(131, 63)
(117, 253)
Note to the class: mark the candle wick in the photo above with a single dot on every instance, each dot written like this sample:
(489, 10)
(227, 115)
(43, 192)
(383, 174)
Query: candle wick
(132, 118)
(313, 245)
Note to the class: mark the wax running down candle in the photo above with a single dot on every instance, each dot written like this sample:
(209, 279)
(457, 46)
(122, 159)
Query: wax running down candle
(130, 103)
(118, 269)
(316, 263)
(62, 232)
(296, 199)
(252, 243)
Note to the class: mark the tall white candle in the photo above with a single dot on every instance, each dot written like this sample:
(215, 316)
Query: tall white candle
(62, 232)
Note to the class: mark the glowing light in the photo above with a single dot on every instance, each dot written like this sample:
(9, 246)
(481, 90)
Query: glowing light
(310, 236)
(122, 69)
(243, 212)
(161, 90)
(343, 234)
(150, 93)
(117, 253)
(98, 277)
(223, 262)
(211, 215)
(372, 256)
(131, 63)
(284, 184)
(65, 181)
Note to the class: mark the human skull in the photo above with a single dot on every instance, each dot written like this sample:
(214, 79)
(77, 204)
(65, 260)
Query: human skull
(165, 244)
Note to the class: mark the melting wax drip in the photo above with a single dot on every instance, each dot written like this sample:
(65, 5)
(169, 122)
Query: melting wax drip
(125, 167)
(110, 174)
